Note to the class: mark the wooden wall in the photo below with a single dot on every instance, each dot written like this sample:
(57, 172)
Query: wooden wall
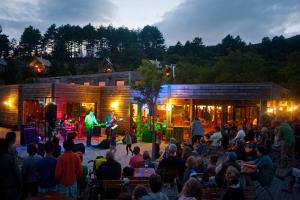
(123, 96)
(9, 102)
(77, 94)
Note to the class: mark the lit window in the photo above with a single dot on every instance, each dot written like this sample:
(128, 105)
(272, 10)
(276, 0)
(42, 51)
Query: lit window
(120, 83)
(101, 83)
(86, 83)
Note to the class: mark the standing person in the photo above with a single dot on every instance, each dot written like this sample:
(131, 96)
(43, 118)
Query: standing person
(90, 120)
(113, 143)
(196, 130)
(46, 170)
(68, 170)
(216, 138)
(287, 143)
(56, 147)
(10, 179)
(225, 136)
(10, 138)
(29, 172)
(128, 142)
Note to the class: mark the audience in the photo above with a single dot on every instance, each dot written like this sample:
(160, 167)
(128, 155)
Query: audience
(233, 189)
(29, 172)
(137, 157)
(216, 138)
(212, 164)
(239, 149)
(155, 183)
(10, 179)
(139, 192)
(147, 159)
(191, 164)
(240, 135)
(172, 162)
(191, 190)
(68, 171)
(11, 140)
(57, 147)
(46, 170)
(111, 169)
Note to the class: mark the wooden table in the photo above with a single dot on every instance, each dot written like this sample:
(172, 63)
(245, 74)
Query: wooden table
(143, 173)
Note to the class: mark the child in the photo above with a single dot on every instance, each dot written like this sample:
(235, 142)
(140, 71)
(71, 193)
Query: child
(128, 142)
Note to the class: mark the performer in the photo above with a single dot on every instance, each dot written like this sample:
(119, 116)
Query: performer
(110, 124)
(90, 120)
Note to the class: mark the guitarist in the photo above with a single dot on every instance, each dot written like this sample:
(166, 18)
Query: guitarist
(90, 120)
(110, 120)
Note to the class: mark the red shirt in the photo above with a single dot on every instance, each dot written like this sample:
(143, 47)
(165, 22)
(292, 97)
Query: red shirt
(68, 168)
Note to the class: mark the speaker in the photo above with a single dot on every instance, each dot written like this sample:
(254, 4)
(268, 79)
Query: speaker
(28, 135)
(79, 147)
(50, 114)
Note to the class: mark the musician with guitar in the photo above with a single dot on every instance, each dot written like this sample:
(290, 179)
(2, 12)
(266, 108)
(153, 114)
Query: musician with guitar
(90, 121)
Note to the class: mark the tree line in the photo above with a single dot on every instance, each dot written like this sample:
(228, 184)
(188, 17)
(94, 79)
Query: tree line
(80, 50)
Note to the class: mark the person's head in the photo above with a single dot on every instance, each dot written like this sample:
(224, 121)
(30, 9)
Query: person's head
(110, 156)
(128, 171)
(200, 162)
(196, 118)
(173, 140)
(172, 150)
(10, 137)
(186, 152)
(146, 155)
(240, 144)
(91, 112)
(191, 162)
(217, 128)
(136, 150)
(139, 191)
(68, 145)
(232, 175)
(192, 188)
(261, 150)
(240, 127)
(49, 147)
(231, 156)
(155, 183)
(3, 146)
(31, 149)
(124, 196)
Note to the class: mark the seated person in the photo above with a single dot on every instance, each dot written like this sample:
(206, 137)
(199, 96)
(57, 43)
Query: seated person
(261, 169)
(137, 157)
(147, 159)
(155, 183)
(221, 168)
(172, 162)
(191, 164)
(233, 189)
(212, 164)
(191, 190)
(111, 169)
(216, 138)
(239, 149)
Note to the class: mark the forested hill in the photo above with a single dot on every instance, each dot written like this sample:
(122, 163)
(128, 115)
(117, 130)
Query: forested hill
(80, 50)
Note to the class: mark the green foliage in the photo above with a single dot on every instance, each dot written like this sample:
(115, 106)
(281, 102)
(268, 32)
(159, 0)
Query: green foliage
(31, 41)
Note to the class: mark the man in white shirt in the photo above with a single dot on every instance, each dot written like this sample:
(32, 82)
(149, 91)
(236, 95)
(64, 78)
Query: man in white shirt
(239, 136)
(216, 137)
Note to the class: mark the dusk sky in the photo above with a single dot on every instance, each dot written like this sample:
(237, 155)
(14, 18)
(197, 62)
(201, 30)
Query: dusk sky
(178, 20)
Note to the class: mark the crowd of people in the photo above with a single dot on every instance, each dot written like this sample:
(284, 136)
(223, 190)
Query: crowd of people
(229, 159)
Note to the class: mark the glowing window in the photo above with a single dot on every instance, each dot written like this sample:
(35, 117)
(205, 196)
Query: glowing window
(120, 83)
(101, 83)
(86, 83)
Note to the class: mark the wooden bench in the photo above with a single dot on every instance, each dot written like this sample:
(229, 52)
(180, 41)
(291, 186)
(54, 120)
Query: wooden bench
(214, 193)
(118, 185)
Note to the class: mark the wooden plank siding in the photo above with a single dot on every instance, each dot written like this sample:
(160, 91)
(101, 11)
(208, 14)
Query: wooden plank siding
(77, 94)
(228, 91)
(119, 94)
(9, 105)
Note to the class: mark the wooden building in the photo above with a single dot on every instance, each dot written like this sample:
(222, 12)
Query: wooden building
(39, 64)
(178, 104)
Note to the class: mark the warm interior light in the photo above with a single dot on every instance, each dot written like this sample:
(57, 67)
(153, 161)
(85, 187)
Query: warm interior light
(114, 105)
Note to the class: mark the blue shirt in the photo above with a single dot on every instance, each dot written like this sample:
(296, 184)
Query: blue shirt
(197, 128)
(46, 171)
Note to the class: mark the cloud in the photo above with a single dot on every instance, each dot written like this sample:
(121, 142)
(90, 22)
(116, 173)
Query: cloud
(15, 15)
(212, 20)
